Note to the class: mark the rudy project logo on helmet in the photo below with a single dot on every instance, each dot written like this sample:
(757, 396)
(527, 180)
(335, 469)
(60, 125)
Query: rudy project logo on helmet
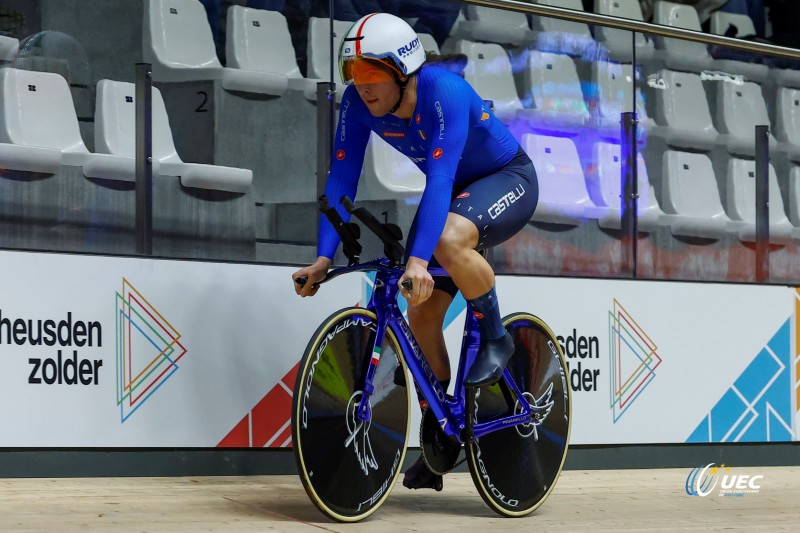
(408, 49)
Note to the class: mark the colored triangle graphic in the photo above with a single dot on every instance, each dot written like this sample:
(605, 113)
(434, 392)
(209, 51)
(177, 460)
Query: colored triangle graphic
(633, 360)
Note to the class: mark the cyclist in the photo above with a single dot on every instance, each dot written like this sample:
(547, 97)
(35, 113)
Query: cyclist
(481, 188)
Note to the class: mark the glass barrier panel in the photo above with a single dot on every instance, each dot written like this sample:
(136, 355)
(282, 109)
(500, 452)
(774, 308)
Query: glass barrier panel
(706, 102)
(237, 122)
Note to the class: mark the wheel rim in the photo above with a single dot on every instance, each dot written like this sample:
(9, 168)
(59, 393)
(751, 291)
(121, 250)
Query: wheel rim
(348, 467)
(518, 486)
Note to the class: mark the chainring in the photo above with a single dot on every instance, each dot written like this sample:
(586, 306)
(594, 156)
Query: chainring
(439, 452)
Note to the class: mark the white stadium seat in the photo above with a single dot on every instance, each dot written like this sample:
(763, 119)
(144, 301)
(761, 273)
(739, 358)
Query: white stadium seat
(682, 111)
(41, 129)
(492, 25)
(319, 52)
(740, 108)
(681, 54)
(741, 203)
(751, 70)
(794, 199)
(615, 95)
(618, 42)
(178, 41)
(553, 83)
(260, 54)
(604, 183)
(115, 130)
(787, 121)
(489, 72)
(562, 36)
(690, 197)
(563, 197)
(388, 174)
(9, 46)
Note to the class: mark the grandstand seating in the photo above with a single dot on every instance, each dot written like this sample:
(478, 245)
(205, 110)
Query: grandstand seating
(615, 94)
(562, 36)
(748, 65)
(178, 41)
(690, 197)
(618, 42)
(563, 197)
(9, 47)
(115, 134)
(552, 84)
(682, 111)
(489, 72)
(794, 199)
(787, 123)
(603, 178)
(741, 107)
(319, 50)
(252, 32)
(41, 129)
(741, 202)
(388, 174)
(491, 25)
(681, 54)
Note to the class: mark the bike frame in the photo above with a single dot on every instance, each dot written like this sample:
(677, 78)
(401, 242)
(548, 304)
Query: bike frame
(451, 413)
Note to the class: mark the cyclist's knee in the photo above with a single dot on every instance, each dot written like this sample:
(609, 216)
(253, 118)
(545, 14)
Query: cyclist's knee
(426, 316)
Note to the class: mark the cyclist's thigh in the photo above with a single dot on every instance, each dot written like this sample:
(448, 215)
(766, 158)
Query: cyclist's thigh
(500, 204)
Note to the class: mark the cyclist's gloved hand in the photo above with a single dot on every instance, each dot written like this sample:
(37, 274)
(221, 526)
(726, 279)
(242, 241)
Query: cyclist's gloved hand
(313, 274)
(422, 281)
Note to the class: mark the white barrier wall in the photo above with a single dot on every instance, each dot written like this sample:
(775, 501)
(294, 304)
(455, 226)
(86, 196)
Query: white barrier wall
(121, 352)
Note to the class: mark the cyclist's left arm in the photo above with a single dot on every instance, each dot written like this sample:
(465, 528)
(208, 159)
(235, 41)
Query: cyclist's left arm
(449, 130)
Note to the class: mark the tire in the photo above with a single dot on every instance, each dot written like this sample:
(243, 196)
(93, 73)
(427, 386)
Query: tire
(347, 471)
(515, 469)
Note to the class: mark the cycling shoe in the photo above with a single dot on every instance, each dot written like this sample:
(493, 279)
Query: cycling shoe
(490, 362)
(419, 476)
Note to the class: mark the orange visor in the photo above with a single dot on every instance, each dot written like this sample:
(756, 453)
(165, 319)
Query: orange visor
(363, 71)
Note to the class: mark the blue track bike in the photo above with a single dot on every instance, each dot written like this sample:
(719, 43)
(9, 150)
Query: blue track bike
(350, 413)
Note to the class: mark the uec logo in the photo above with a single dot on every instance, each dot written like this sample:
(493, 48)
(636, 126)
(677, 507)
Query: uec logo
(701, 481)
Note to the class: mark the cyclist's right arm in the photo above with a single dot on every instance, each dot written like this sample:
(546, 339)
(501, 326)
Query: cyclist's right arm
(352, 134)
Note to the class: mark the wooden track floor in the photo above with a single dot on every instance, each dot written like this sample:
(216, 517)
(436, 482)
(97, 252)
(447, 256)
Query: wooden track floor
(594, 500)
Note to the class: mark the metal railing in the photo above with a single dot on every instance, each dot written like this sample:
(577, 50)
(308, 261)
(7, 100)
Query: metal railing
(636, 26)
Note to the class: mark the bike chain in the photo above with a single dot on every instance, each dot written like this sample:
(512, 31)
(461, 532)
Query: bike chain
(422, 449)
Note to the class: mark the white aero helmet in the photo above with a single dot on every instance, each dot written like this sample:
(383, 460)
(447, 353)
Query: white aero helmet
(383, 37)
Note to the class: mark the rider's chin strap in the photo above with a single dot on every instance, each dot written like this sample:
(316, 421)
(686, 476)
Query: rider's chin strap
(402, 85)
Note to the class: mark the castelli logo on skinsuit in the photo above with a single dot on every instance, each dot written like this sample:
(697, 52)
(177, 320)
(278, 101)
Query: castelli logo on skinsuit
(463, 195)
(340, 154)
(438, 153)
(419, 118)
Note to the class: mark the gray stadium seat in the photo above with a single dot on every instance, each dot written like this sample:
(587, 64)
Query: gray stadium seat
(260, 54)
(115, 134)
(39, 125)
(178, 41)
(741, 200)
(681, 54)
(690, 197)
(563, 197)
(605, 188)
(741, 107)
(682, 111)
(563, 36)
(618, 42)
